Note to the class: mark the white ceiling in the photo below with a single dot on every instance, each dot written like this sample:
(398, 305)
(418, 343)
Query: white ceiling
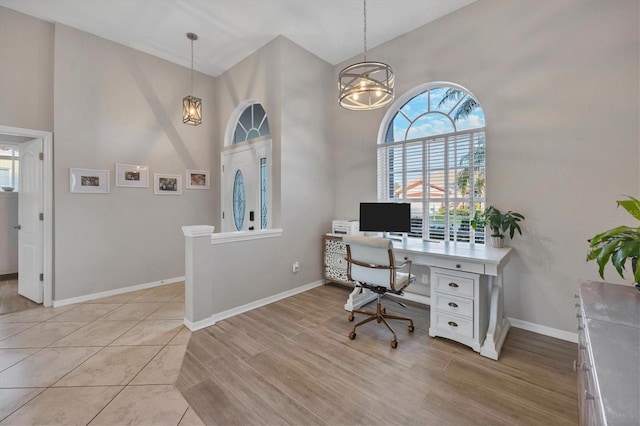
(230, 30)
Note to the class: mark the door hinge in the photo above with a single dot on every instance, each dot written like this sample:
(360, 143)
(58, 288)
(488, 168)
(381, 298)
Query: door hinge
(41, 216)
(41, 277)
(223, 215)
(41, 155)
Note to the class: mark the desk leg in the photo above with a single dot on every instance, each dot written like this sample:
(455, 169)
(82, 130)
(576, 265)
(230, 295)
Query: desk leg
(498, 323)
(358, 298)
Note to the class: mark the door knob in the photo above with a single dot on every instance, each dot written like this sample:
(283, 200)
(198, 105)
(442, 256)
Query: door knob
(18, 227)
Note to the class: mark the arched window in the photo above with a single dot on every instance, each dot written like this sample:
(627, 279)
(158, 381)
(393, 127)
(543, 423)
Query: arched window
(431, 153)
(252, 124)
(246, 170)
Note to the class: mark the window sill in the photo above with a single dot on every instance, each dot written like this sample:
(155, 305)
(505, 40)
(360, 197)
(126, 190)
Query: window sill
(233, 237)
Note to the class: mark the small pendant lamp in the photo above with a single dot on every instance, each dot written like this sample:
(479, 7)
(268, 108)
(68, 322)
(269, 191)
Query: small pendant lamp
(192, 106)
(365, 85)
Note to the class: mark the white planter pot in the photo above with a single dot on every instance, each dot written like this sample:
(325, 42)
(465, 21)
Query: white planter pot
(497, 242)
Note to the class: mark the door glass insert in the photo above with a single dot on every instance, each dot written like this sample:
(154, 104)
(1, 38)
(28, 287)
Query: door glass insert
(239, 200)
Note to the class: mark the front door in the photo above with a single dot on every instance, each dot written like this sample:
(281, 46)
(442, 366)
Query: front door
(30, 206)
(245, 177)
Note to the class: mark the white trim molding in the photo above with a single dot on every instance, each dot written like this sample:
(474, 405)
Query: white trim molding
(544, 330)
(233, 237)
(194, 326)
(100, 295)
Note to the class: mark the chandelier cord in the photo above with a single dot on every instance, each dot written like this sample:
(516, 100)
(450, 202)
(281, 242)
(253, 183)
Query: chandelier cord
(365, 30)
(191, 67)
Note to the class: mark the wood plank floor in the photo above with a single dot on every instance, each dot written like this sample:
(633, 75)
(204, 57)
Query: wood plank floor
(291, 362)
(10, 300)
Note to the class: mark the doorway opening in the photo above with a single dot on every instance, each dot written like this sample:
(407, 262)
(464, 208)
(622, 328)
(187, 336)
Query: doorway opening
(34, 225)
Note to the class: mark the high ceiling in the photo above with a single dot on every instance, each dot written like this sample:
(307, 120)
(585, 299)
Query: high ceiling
(230, 30)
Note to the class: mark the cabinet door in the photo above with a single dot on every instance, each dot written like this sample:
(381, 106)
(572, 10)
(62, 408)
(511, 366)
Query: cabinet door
(335, 263)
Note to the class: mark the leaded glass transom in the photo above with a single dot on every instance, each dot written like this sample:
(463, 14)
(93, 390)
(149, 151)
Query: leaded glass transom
(252, 124)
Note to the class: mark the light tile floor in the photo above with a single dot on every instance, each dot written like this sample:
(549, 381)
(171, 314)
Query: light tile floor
(111, 361)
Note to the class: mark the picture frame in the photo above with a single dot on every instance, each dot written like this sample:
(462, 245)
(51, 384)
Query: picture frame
(132, 176)
(166, 184)
(89, 181)
(197, 179)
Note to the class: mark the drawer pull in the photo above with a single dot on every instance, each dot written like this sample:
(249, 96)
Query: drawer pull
(575, 366)
(588, 396)
(454, 285)
(458, 265)
(452, 324)
(453, 305)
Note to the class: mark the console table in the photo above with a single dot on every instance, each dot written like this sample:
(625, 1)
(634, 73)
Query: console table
(608, 353)
(467, 301)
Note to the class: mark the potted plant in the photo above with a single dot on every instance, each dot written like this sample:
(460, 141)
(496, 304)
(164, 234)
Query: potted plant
(498, 222)
(618, 244)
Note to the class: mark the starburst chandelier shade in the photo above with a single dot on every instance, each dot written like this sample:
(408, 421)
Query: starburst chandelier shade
(192, 106)
(366, 85)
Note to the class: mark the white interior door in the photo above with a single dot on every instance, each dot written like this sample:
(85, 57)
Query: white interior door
(31, 235)
(240, 190)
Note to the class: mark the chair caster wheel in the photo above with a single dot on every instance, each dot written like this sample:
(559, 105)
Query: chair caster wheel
(410, 328)
(350, 317)
(394, 344)
(352, 335)
(384, 310)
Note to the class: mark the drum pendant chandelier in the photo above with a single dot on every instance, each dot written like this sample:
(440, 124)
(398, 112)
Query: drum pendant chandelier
(365, 85)
(192, 106)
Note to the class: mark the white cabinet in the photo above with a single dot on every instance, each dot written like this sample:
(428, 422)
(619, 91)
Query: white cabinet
(335, 262)
(608, 353)
(460, 306)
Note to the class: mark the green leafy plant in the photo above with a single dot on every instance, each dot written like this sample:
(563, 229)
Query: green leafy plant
(618, 244)
(498, 222)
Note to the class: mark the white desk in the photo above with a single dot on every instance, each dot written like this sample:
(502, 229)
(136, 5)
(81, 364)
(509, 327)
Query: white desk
(463, 276)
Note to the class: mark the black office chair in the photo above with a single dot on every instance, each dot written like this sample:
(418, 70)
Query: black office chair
(371, 265)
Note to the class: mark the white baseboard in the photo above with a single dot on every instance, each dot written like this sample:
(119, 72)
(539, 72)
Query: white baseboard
(544, 330)
(193, 326)
(86, 298)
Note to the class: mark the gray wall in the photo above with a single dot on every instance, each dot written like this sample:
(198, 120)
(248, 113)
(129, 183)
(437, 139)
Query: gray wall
(559, 83)
(26, 74)
(297, 106)
(114, 105)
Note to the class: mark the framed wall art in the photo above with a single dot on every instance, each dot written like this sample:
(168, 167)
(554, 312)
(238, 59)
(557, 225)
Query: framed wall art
(132, 176)
(164, 184)
(198, 179)
(89, 181)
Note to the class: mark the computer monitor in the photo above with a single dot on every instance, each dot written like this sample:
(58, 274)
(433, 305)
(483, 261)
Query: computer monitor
(385, 217)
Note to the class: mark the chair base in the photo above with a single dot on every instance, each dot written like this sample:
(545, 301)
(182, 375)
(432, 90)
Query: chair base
(380, 316)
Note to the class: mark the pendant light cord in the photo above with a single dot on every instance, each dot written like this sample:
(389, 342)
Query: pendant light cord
(365, 30)
(191, 67)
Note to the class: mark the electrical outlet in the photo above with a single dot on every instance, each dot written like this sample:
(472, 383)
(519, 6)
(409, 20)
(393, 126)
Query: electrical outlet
(296, 266)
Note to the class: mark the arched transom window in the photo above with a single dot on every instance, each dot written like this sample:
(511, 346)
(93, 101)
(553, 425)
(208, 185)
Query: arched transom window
(252, 124)
(431, 153)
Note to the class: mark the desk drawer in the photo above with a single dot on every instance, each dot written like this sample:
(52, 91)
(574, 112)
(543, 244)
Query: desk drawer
(476, 268)
(451, 284)
(453, 324)
(454, 305)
